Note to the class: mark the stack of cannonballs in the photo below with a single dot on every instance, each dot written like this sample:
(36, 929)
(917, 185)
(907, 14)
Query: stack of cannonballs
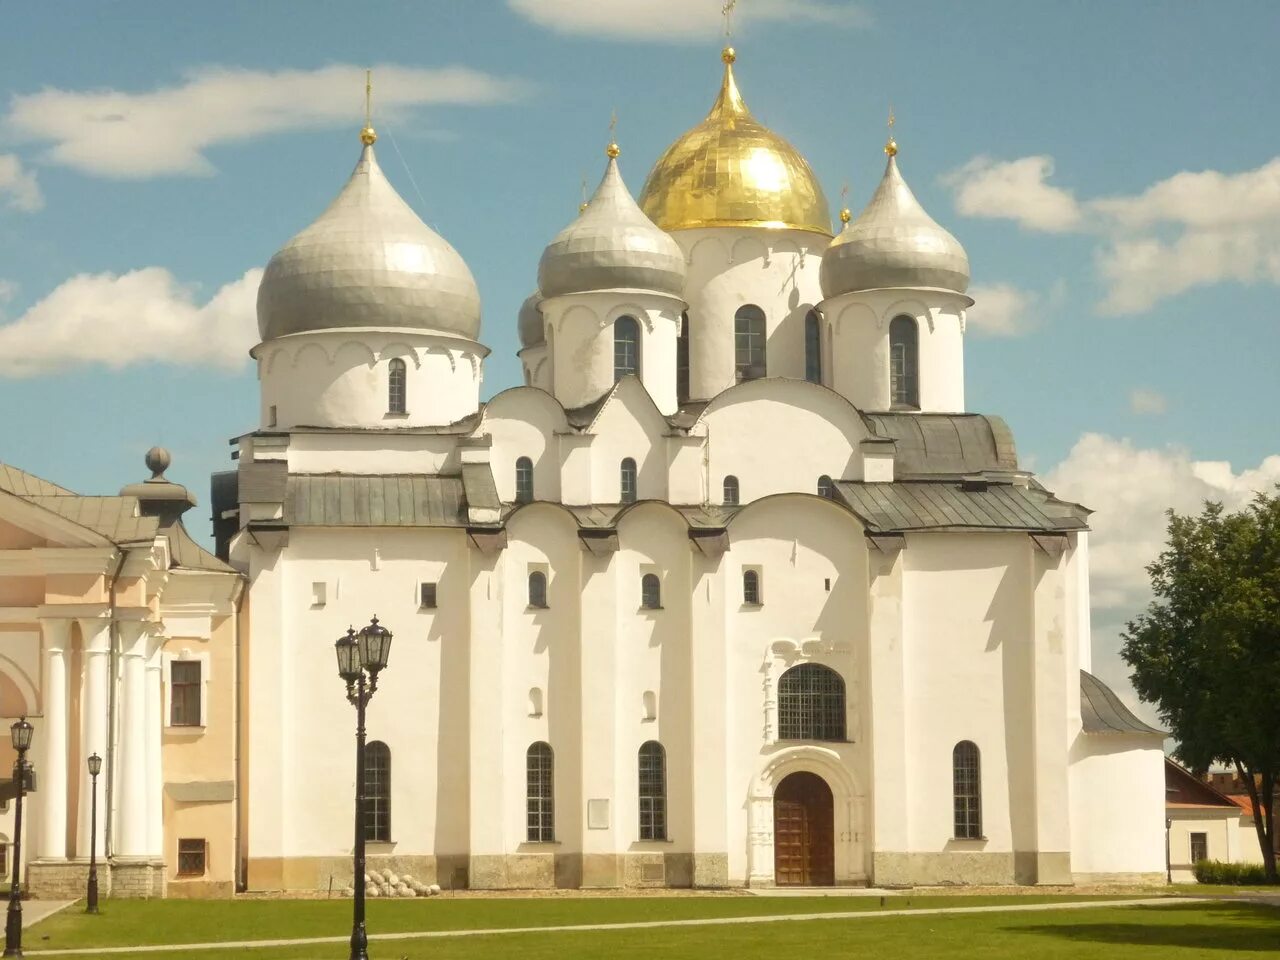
(384, 883)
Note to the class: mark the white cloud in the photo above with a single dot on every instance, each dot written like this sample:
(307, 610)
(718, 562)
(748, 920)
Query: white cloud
(1207, 199)
(1001, 310)
(8, 290)
(1146, 400)
(167, 131)
(138, 317)
(1014, 190)
(677, 21)
(18, 187)
(1129, 488)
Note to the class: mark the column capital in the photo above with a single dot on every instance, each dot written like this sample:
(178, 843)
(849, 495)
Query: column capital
(138, 636)
(55, 633)
(96, 633)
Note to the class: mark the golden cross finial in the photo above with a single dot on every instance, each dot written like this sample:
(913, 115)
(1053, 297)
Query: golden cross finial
(845, 215)
(612, 150)
(726, 11)
(582, 207)
(891, 147)
(368, 136)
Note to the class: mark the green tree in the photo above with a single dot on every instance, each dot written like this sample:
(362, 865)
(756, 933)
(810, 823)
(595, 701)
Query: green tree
(1207, 650)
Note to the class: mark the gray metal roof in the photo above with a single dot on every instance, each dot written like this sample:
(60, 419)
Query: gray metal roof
(478, 486)
(115, 518)
(947, 443)
(394, 500)
(23, 484)
(898, 507)
(1101, 711)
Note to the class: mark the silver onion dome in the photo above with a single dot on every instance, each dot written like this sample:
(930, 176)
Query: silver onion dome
(368, 261)
(893, 243)
(530, 325)
(611, 245)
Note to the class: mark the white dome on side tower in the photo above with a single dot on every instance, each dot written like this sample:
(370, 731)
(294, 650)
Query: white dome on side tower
(368, 261)
(612, 245)
(893, 243)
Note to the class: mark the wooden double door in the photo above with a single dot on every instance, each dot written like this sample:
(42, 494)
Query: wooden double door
(803, 832)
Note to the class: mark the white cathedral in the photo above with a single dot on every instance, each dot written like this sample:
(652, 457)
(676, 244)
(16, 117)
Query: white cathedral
(732, 592)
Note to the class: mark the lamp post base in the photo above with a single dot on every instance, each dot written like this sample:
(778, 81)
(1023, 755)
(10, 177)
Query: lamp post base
(359, 943)
(13, 929)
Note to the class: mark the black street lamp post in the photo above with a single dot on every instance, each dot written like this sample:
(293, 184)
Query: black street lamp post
(20, 735)
(91, 897)
(361, 657)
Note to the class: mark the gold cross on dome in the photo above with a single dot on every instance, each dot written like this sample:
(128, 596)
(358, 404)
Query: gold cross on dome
(726, 11)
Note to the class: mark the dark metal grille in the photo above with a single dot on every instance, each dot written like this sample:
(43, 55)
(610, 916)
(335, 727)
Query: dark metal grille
(627, 479)
(540, 803)
(191, 858)
(653, 791)
(184, 693)
(397, 387)
(904, 363)
(749, 342)
(524, 480)
(626, 347)
(811, 704)
(966, 768)
(731, 491)
(812, 348)
(377, 792)
(1199, 847)
(650, 591)
(537, 589)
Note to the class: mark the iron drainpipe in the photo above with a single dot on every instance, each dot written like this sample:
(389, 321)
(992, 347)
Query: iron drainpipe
(113, 666)
(239, 878)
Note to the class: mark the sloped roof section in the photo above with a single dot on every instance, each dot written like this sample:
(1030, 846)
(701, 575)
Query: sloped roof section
(186, 553)
(115, 518)
(23, 484)
(900, 507)
(1101, 711)
(947, 443)
(388, 500)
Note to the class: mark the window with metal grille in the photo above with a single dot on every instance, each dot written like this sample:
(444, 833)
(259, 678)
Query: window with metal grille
(184, 693)
(1199, 847)
(811, 704)
(537, 589)
(427, 598)
(627, 480)
(397, 387)
(731, 491)
(540, 793)
(377, 792)
(826, 489)
(524, 480)
(4, 858)
(191, 857)
(653, 791)
(751, 588)
(650, 592)
(626, 347)
(904, 363)
(966, 767)
(682, 360)
(812, 347)
(749, 342)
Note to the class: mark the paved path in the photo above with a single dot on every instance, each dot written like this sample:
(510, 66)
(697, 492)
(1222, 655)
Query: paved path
(33, 911)
(635, 925)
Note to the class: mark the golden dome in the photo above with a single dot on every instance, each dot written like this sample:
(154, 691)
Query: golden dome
(732, 171)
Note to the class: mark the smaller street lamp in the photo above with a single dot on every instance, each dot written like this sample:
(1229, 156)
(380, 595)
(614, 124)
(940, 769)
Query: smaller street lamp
(361, 657)
(20, 736)
(91, 897)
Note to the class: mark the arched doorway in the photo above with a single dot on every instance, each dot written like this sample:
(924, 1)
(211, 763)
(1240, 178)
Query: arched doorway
(803, 832)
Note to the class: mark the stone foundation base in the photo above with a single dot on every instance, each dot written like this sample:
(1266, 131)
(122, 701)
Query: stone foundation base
(1125, 879)
(324, 873)
(64, 879)
(710, 870)
(970, 868)
(135, 879)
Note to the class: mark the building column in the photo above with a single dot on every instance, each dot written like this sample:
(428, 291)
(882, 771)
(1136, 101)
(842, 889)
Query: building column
(133, 807)
(52, 796)
(887, 719)
(155, 727)
(96, 633)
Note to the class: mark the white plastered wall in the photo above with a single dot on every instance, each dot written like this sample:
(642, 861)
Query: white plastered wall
(1117, 806)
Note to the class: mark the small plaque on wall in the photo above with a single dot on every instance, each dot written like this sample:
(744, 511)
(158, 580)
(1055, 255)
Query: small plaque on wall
(597, 814)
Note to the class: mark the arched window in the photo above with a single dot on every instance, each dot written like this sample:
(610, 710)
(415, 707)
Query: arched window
(682, 360)
(966, 774)
(826, 488)
(811, 703)
(812, 347)
(904, 362)
(377, 792)
(524, 480)
(653, 791)
(540, 815)
(626, 347)
(627, 481)
(537, 589)
(748, 341)
(650, 592)
(397, 387)
(731, 492)
(751, 588)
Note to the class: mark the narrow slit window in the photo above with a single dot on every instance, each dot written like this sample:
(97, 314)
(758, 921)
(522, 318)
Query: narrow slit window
(904, 362)
(751, 588)
(627, 481)
(966, 771)
(626, 347)
(650, 592)
(812, 347)
(682, 360)
(540, 794)
(397, 387)
(524, 480)
(377, 792)
(538, 589)
(653, 791)
(731, 491)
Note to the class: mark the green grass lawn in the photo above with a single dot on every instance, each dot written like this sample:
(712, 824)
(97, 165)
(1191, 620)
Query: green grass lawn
(1193, 930)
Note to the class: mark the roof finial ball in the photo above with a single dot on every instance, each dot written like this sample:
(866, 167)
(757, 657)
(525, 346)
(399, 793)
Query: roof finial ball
(158, 461)
(891, 147)
(368, 136)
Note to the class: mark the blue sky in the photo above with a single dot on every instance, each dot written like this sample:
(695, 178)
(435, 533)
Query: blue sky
(1112, 169)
